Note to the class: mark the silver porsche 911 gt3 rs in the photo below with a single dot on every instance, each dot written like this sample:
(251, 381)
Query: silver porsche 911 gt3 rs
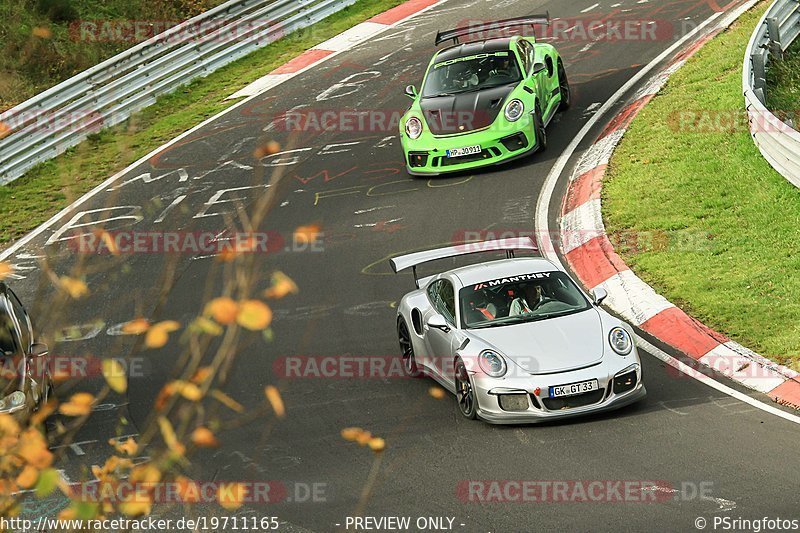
(516, 340)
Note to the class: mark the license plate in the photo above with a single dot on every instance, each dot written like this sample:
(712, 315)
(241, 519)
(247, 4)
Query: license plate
(466, 150)
(574, 388)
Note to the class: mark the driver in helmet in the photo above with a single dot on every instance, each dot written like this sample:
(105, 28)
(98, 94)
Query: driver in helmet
(462, 76)
(528, 302)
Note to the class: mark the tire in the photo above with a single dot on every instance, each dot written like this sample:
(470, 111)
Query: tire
(564, 88)
(407, 349)
(541, 134)
(465, 393)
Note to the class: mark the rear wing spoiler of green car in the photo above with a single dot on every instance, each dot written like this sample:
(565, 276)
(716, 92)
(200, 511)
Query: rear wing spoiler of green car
(510, 245)
(454, 34)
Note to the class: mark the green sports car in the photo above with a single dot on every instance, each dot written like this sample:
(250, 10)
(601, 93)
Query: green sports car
(483, 102)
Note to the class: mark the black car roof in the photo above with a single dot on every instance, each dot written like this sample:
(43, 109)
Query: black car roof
(477, 47)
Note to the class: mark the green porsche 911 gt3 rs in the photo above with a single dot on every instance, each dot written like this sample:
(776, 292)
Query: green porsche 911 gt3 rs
(483, 102)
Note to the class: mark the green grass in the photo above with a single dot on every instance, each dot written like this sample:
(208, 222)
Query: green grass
(741, 276)
(783, 85)
(37, 49)
(49, 187)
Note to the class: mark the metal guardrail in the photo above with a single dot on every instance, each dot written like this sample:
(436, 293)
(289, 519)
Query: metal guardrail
(108, 93)
(778, 142)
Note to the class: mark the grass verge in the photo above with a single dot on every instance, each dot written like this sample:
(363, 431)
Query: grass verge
(49, 187)
(687, 166)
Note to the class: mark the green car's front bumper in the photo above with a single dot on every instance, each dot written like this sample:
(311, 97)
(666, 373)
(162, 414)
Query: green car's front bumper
(427, 155)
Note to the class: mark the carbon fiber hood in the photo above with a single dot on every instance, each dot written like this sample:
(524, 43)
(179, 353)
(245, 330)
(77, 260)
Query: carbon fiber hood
(465, 112)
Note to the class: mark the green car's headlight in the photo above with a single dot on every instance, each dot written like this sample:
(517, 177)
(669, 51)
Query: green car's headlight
(12, 402)
(620, 341)
(492, 363)
(414, 127)
(514, 110)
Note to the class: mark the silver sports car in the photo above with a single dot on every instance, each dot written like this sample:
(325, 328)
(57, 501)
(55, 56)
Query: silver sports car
(516, 340)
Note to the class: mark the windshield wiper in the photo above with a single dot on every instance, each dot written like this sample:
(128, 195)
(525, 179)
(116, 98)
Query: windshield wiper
(440, 95)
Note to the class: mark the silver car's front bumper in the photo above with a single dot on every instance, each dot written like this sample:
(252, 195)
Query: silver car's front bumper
(487, 389)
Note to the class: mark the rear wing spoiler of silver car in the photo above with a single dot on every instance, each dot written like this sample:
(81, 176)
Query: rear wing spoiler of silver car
(510, 246)
(454, 34)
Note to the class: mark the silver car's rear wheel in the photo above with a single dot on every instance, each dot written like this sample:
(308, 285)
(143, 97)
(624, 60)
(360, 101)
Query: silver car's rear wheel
(407, 349)
(465, 394)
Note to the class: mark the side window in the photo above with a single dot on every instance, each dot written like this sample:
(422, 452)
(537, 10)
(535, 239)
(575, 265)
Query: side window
(524, 52)
(22, 319)
(548, 61)
(443, 298)
(448, 300)
(7, 330)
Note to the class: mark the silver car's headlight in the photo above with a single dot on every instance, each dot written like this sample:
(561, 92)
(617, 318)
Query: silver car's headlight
(414, 127)
(514, 110)
(620, 341)
(492, 363)
(12, 402)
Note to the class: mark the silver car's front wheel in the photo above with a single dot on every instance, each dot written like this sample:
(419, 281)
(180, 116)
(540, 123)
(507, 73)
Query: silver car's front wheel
(407, 349)
(465, 394)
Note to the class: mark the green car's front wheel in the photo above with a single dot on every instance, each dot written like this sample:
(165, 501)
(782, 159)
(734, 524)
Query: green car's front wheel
(539, 130)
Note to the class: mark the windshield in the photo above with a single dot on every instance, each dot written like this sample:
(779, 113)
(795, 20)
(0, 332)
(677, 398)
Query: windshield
(10, 359)
(471, 73)
(522, 298)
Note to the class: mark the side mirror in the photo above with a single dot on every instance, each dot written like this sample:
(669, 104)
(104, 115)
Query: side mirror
(438, 322)
(411, 92)
(598, 295)
(39, 350)
(538, 67)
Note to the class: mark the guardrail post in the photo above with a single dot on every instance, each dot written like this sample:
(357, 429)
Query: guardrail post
(759, 72)
(774, 30)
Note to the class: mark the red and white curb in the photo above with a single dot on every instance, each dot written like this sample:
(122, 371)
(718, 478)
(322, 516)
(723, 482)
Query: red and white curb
(340, 43)
(590, 254)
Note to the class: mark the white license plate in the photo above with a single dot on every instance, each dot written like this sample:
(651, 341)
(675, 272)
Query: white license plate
(574, 388)
(466, 150)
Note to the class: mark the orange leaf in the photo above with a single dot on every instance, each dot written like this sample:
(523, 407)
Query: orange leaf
(136, 326)
(364, 438)
(128, 446)
(254, 315)
(231, 496)
(141, 506)
(307, 234)
(202, 374)
(268, 148)
(204, 438)
(5, 268)
(437, 392)
(274, 397)
(158, 334)
(223, 309)
(115, 375)
(74, 287)
(351, 434)
(377, 444)
(5, 129)
(188, 390)
(28, 477)
(282, 285)
(33, 449)
(80, 404)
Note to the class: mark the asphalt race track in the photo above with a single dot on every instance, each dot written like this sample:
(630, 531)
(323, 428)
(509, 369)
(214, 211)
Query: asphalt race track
(354, 185)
